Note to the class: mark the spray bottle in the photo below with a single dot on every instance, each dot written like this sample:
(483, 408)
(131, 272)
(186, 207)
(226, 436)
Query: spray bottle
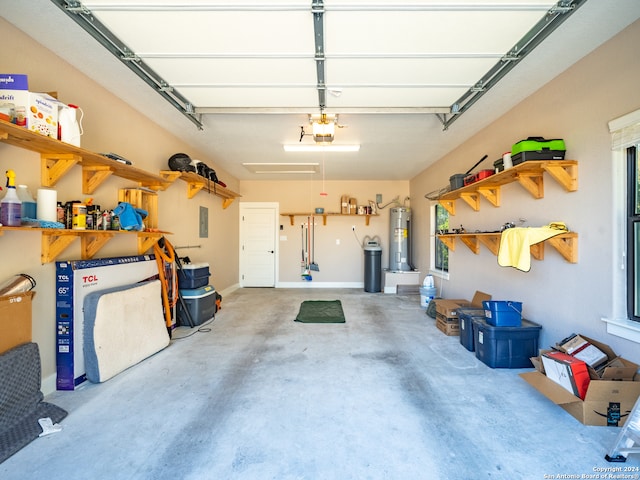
(11, 206)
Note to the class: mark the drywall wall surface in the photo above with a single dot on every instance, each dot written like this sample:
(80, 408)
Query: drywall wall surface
(575, 106)
(338, 248)
(110, 125)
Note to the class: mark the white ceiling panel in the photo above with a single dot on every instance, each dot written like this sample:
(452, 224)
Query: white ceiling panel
(252, 97)
(407, 71)
(238, 32)
(431, 31)
(227, 72)
(394, 97)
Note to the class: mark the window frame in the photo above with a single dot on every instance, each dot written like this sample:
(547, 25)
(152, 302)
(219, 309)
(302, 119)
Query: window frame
(434, 268)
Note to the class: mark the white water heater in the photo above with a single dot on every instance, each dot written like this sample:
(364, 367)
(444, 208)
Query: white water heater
(399, 240)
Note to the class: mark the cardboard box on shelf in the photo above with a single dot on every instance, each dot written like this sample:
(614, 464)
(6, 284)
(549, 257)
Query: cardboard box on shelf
(15, 320)
(612, 393)
(36, 111)
(447, 312)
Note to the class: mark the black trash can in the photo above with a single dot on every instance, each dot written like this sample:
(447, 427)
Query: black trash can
(372, 269)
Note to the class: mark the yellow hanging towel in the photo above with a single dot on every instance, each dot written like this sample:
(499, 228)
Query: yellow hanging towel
(515, 244)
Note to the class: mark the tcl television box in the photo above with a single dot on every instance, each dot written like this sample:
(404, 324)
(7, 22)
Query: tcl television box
(612, 393)
(74, 281)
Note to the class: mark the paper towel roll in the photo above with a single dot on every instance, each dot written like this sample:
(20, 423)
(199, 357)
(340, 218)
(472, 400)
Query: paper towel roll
(47, 205)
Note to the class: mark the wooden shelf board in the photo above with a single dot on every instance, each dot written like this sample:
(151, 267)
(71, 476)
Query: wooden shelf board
(56, 240)
(58, 157)
(529, 174)
(565, 243)
(325, 215)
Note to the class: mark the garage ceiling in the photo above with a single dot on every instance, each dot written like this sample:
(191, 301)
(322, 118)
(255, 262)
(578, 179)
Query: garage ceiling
(242, 78)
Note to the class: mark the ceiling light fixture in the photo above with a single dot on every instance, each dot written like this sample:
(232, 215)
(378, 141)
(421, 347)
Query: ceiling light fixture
(321, 148)
(323, 127)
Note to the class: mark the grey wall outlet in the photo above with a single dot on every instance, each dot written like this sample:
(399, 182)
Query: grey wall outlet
(204, 222)
(378, 198)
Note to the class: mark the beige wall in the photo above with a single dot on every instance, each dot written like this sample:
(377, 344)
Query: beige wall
(576, 106)
(338, 250)
(110, 126)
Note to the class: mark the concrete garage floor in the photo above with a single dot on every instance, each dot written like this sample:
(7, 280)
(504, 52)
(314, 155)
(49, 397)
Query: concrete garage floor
(259, 396)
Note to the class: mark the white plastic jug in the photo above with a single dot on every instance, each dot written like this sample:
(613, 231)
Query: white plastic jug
(70, 127)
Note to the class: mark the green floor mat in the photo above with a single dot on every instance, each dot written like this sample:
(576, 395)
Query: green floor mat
(321, 311)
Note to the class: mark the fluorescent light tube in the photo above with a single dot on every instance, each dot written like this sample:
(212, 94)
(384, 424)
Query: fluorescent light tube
(321, 148)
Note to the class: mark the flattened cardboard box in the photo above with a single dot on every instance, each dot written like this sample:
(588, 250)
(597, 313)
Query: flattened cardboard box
(15, 320)
(611, 395)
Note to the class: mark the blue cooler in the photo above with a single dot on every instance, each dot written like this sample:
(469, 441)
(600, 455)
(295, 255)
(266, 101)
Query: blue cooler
(466, 316)
(200, 303)
(193, 275)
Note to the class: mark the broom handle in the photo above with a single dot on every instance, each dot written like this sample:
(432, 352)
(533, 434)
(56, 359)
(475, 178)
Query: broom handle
(479, 162)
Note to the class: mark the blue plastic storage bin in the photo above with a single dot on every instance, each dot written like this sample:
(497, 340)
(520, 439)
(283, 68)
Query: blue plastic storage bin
(466, 316)
(503, 313)
(506, 347)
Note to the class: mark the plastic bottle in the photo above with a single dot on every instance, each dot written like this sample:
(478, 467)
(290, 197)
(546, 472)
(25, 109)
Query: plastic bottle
(428, 281)
(28, 203)
(70, 127)
(11, 206)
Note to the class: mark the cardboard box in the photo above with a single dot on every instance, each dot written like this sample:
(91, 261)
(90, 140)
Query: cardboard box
(612, 393)
(15, 320)
(448, 308)
(36, 111)
(447, 312)
(580, 348)
(450, 327)
(567, 371)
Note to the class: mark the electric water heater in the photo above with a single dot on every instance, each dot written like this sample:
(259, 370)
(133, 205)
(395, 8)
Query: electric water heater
(399, 240)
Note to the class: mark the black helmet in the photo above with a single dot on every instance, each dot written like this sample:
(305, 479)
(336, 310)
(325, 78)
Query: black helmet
(181, 162)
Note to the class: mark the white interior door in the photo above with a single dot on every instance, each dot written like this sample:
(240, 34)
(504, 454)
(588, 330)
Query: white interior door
(258, 240)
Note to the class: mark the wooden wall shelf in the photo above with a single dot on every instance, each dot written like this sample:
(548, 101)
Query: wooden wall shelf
(57, 158)
(325, 215)
(565, 243)
(529, 174)
(55, 241)
(196, 182)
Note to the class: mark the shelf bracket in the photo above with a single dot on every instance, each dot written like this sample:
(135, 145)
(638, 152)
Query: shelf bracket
(471, 241)
(567, 245)
(193, 188)
(492, 242)
(147, 240)
(170, 176)
(54, 166)
(449, 242)
(93, 177)
(565, 175)
(91, 244)
(492, 194)
(533, 183)
(472, 199)
(226, 202)
(449, 206)
(54, 243)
